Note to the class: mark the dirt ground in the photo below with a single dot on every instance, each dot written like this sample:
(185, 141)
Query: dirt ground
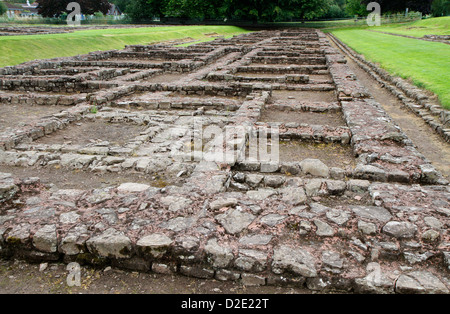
(333, 155)
(293, 97)
(17, 114)
(86, 132)
(326, 118)
(79, 179)
(21, 278)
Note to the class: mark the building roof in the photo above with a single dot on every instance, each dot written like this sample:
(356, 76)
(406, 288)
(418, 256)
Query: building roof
(13, 6)
(112, 8)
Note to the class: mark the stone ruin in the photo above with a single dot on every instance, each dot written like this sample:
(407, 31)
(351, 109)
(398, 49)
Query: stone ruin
(98, 166)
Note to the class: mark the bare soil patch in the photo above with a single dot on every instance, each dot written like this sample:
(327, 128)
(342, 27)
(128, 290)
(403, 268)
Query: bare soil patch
(137, 61)
(87, 132)
(165, 78)
(246, 74)
(76, 179)
(22, 278)
(328, 118)
(333, 155)
(293, 97)
(12, 116)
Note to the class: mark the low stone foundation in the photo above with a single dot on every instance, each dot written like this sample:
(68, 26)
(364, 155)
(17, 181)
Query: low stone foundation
(353, 206)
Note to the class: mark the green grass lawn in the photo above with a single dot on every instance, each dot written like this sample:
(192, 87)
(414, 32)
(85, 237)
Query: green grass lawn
(434, 26)
(18, 49)
(426, 64)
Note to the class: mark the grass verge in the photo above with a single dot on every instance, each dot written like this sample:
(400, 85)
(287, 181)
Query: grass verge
(18, 49)
(434, 26)
(426, 64)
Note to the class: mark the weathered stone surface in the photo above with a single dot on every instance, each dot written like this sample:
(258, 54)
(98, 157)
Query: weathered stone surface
(273, 181)
(45, 239)
(323, 229)
(253, 180)
(433, 222)
(338, 216)
(69, 218)
(261, 194)
(179, 223)
(318, 208)
(315, 187)
(206, 219)
(133, 188)
(72, 243)
(420, 282)
(219, 256)
(20, 234)
(296, 260)
(251, 260)
(377, 280)
(272, 219)
(227, 275)
(367, 227)
(372, 212)
(358, 186)
(7, 189)
(165, 269)
(176, 203)
(110, 243)
(430, 235)
(154, 244)
(234, 221)
(252, 280)
(269, 167)
(332, 261)
(314, 167)
(400, 230)
(336, 187)
(294, 195)
(197, 272)
(256, 239)
(221, 203)
(370, 173)
(447, 259)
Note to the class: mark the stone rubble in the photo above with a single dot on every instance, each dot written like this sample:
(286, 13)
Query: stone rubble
(380, 226)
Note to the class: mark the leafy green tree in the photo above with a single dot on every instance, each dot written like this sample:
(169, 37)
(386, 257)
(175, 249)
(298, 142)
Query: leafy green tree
(122, 4)
(265, 10)
(199, 9)
(354, 7)
(335, 10)
(396, 6)
(3, 8)
(440, 7)
(140, 10)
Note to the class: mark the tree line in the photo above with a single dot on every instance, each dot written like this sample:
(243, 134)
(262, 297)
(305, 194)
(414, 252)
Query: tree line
(249, 10)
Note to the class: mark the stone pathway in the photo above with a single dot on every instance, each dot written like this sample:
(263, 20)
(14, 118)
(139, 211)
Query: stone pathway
(374, 220)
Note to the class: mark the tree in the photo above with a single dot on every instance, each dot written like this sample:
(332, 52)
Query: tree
(278, 10)
(440, 8)
(141, 10)
(354, 7)
(3, 8)
(122, 4)
(54, 8)
(396, 6)
(197, 9)
(336, 9)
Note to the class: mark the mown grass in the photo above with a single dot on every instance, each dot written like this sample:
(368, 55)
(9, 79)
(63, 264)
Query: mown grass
(434, 26)
(426, 64)
(18, 49)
